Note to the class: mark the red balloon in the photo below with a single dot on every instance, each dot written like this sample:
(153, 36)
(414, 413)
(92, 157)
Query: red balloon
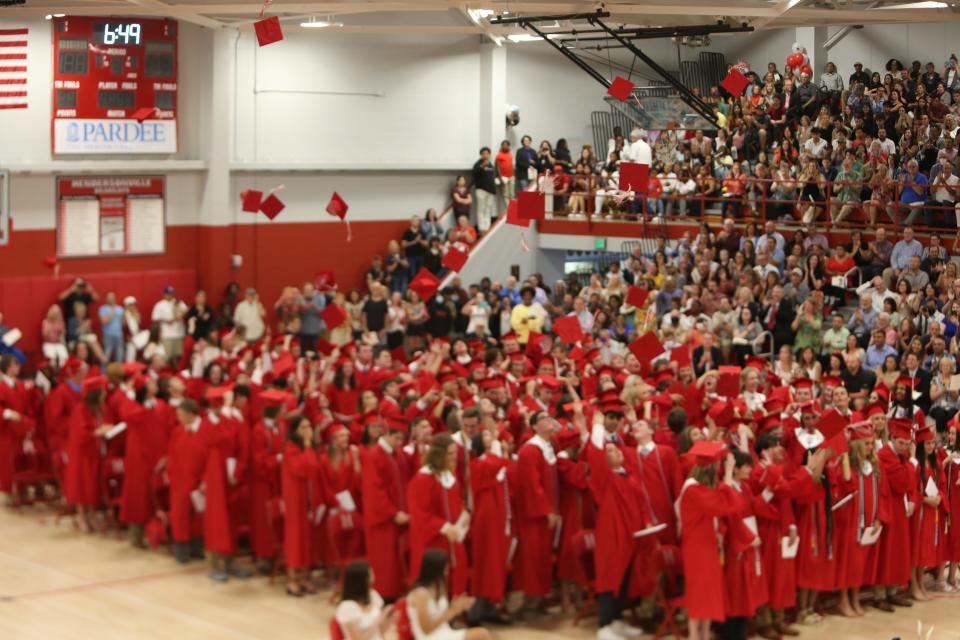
(794, 60)
(807, 69)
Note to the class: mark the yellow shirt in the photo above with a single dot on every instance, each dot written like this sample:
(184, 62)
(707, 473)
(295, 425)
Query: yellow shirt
(524, 319)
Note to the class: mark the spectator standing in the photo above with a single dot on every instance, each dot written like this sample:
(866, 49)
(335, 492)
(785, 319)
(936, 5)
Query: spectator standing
(431, 227)
(900, 256)
(169, 313)
(485, 189)
(111, 328)
(941, 210)
(526, 164)
(200, 317)
(79, 291)
(374, 316)
(397, 267)
(462, 200)
(913, 191)
(249, 314)
(505, 178)
(132, 323)
(414, 244)
(311, 303)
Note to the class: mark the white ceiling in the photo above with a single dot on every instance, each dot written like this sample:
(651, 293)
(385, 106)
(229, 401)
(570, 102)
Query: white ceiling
(453, 17)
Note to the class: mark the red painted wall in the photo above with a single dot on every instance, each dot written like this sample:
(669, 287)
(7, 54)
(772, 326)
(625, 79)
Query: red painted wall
(274, 256)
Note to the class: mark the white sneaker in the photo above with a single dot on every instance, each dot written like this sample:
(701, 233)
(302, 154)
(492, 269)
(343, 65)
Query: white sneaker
(625, 630)
(607, 633)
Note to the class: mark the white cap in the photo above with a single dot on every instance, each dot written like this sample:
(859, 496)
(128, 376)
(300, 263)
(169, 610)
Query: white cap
(129, 300)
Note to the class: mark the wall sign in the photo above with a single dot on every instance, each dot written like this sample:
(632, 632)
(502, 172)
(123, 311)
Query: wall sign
(105, 70)
(110, 216)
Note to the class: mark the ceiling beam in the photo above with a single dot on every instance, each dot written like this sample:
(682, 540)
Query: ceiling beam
(180, 12)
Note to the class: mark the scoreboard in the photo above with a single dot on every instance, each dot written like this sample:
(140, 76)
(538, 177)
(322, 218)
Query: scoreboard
(108, 73)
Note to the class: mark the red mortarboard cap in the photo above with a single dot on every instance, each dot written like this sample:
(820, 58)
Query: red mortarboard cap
(141, 115)
(924, 434)
(634, 177)
(50, 262)
(217, 393)
(399, 354)
(808, 409)
(735, 83)
(803, 383)
(906, 381)
(637, 296)
(446, 375)
(536, 345)
(728, 384)
(781, 394)
(513, 215)
(901, 429)
(250, 200)
(838, 443)
(337, 206)
(396, 424)
(721, 413)
(647, 347)
(333, 315)
(509, 337)
(832, 381)
(491, 383)
(274, 397)
(454, 259)
(568, 329)
(769, 422)
(882, 391)
(663, 375)
(681, 356)
(325, 280)
(620, 88)
(875, 408)
(565, 438)
(133, 368)
(705, 453)
(268, 30)
(272, 206)
(550, 382)
(863, 432)
(774, 405)
(72, 365)
(831, 423)
(425, 284)
(757, 363)
(283, 365)
(94, 383)
(531, 205)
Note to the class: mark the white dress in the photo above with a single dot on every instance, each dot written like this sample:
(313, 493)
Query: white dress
(350, 611)
(435, 609)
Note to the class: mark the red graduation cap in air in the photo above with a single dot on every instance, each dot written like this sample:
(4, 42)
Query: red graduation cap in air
(620, 88)
(634, 177)
(425, 284)
(50, 262)
(144, 114)
(268, 30)
(325, 281)
(513, 215)
(735, 82)
(250, 200)
(272, 206)
(568, 329)
(454, 259)
(531, 205)
(637, 296)
(833, 425)
(647, 347)
(333, 315)
(337, 206)
(728, 384)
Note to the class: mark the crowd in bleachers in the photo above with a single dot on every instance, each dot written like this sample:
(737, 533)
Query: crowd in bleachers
(769, 414)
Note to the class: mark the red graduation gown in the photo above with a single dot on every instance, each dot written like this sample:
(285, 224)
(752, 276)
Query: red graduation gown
(745, 586)
(572, 478)
(186, 461)
(81, 482)
(815, 558)
(15, 398)
(432, 504)
(700, 507)
(384, 485)
(490, 532)
(538, 497)
(56, 416)
(927, 521)
(300, 507)
(895, 565)
(951, 550)
(857, 564)
(619, 515)
(148, 431)
(659, 475)
(346, 542)
(220, 519)
(265, 444)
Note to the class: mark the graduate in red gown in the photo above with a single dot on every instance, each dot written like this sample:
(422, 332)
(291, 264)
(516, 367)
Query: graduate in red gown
(700, 505)
(491, 530)
(186, 462)
(745, 586)
(951, 470)
(341, 470)
(149, 423)
(619, 517)
(266, 454)
(57, 409)
(16, 420)
(384, 483)
(224, 479)
(301, 508)
(895, 566)
(437, 517)
(927, 521)
(87, 428)
(538, 510)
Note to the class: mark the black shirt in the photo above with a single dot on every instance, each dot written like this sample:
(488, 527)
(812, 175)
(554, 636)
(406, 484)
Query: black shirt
(72, 299)
(376, 311)
(415, 250)
(857, 382)
(483, 176)
(205, 323)
(860, 78)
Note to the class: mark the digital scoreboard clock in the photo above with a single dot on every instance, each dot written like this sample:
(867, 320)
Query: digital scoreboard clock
(108, 75)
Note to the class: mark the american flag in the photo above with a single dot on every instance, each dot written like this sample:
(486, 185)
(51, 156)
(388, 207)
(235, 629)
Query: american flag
(13, 68)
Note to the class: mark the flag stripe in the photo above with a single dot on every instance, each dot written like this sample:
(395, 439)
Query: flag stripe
(13, 56)
(13, 94)
(13, 81)
(13, 32)
(13, 43)
(13, 106)
(13, 69)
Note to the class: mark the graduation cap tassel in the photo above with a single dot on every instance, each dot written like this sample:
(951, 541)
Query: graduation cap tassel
(523, 243)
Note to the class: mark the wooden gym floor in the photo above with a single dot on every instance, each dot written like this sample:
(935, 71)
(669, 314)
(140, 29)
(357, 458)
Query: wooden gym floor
(56, 583)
